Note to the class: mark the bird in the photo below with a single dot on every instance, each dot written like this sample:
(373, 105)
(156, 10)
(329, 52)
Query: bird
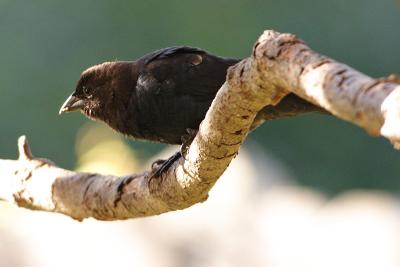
(162, 96)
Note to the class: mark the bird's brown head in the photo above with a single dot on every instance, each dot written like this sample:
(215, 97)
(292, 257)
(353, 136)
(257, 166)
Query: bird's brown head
(97, 89)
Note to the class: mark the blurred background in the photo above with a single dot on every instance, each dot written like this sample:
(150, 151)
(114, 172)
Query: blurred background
(305, 191)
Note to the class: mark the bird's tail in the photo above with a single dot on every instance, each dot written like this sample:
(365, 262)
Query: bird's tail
(291, 105)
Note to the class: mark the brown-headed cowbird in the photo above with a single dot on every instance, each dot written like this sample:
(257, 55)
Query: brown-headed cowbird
(161, 95)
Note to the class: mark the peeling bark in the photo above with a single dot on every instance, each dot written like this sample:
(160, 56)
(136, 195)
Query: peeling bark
(280, 64)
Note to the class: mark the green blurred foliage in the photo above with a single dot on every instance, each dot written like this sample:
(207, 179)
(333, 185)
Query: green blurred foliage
(46, 44)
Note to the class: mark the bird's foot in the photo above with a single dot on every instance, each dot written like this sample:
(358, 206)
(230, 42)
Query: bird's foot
(160, 166)
(163, 165)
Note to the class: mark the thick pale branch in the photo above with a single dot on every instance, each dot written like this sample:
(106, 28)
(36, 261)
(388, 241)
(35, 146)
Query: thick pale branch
(280, 64)
(373, 104)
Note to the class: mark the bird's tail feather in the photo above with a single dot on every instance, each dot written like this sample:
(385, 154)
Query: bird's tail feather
(289, 106)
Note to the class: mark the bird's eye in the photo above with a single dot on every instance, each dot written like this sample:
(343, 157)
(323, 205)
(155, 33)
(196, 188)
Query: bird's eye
(86, 90)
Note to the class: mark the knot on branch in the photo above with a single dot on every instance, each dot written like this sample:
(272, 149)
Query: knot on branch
(271, 44)
(23, 149)
(25, 153)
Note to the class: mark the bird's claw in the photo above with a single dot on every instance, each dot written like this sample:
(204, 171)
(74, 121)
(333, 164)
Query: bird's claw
(163, 165)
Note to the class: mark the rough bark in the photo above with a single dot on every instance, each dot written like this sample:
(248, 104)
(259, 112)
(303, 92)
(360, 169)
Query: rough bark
(280, 64)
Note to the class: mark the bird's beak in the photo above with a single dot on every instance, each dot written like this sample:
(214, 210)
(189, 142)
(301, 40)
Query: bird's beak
(71, 104)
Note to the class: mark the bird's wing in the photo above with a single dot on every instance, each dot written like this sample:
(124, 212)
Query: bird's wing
(174, 90)
(183, 71)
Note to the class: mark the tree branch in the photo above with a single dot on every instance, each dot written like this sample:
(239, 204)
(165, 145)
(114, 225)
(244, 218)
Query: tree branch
(373, 104)
(280, 64)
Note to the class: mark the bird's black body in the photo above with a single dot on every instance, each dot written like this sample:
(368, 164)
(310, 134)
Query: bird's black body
(157, 97)
(162, 94)
(179, 84)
